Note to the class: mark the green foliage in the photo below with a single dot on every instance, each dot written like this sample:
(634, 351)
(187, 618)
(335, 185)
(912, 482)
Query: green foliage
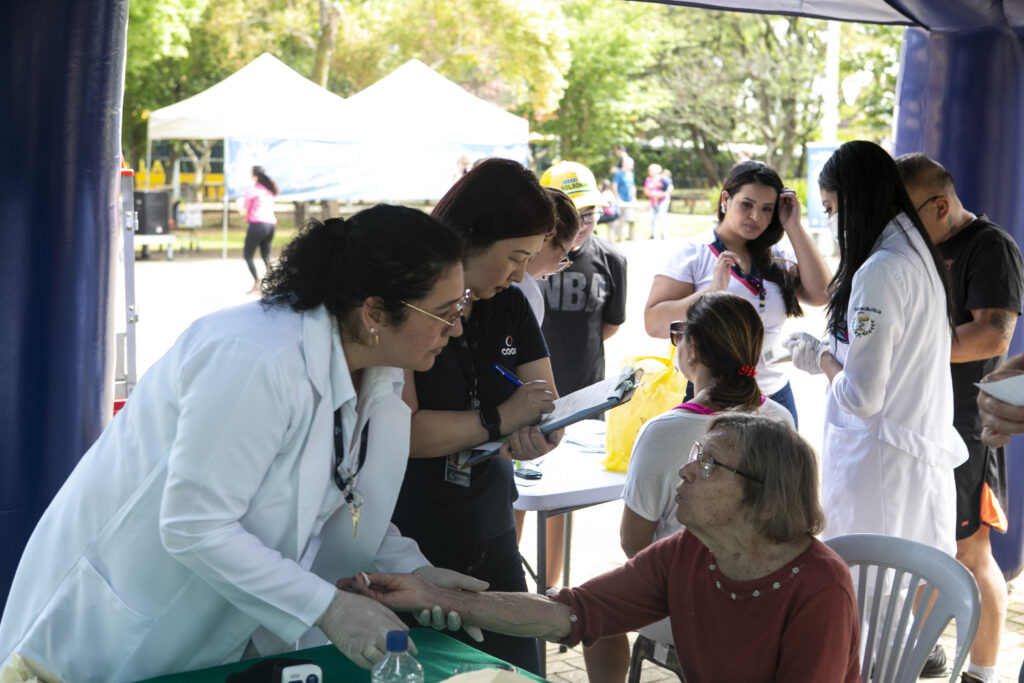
(868, 69)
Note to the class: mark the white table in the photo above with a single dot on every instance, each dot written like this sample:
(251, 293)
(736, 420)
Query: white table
(573, 479)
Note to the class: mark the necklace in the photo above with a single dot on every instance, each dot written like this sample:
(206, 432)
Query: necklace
(347, 484)
(716, 578)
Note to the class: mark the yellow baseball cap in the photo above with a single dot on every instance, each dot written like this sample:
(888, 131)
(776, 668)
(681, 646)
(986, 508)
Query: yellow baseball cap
(575, 180)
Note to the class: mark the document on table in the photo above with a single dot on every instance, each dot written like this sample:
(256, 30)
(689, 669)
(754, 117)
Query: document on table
(1009, 390)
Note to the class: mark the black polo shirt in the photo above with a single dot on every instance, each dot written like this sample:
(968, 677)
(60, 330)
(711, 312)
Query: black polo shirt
(501, 330)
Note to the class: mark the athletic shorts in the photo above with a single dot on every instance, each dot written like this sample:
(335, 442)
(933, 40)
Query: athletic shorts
(981, 490)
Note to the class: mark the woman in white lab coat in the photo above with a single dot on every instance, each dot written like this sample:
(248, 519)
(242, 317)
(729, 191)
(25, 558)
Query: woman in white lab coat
(257, 462)
(890, 447)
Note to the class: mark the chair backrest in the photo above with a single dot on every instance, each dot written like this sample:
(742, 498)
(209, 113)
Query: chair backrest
(907, 593)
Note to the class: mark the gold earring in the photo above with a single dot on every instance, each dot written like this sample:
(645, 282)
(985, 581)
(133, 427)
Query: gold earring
(374, 337)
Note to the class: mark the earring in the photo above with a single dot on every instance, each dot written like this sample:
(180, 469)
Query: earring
(374, 337)
(689, 361)
(723, 207)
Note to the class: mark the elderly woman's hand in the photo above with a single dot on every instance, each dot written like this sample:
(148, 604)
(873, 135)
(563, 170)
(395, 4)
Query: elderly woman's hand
(529, 443)
(1001, 420)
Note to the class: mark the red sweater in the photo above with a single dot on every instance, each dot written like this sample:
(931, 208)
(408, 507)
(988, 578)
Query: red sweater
(801, 626)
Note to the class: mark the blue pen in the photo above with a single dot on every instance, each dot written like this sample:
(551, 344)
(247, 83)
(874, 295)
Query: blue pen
(507, 374)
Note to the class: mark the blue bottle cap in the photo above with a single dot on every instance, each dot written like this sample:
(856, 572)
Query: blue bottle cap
(398, 641)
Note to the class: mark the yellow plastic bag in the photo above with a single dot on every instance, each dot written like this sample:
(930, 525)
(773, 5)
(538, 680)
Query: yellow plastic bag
(662, 389)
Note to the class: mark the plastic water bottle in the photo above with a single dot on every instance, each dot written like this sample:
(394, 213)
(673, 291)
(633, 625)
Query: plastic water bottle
(398, 666)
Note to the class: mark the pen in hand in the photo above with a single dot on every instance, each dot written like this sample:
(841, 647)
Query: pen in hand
(507, 374)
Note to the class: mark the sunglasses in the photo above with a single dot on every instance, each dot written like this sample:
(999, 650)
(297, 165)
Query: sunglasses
(451, 319)
(676, 330)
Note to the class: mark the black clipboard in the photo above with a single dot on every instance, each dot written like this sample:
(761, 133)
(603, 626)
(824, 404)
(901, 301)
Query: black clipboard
(579, 405)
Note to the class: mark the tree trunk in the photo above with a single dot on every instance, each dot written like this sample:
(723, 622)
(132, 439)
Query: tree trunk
(300, 214)
(702, 155)
(330, 19)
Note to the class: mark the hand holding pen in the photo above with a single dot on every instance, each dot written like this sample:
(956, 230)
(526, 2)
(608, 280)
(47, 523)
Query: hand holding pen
(527, 403)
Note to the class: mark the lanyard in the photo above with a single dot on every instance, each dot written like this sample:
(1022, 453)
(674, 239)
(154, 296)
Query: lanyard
(342, 482)
(752, 280)
(465, 353)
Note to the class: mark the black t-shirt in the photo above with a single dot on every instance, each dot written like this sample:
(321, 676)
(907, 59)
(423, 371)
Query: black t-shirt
(501, 330)
(985, 272)
(578, 301)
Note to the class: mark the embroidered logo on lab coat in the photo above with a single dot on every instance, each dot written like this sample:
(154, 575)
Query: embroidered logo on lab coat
(866, 321)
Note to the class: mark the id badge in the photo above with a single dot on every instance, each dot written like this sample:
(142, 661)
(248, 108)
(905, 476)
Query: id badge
(453, 474)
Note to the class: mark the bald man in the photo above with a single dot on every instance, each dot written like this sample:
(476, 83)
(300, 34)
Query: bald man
(987, 278)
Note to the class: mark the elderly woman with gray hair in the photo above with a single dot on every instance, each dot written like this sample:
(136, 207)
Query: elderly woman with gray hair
(745, 576)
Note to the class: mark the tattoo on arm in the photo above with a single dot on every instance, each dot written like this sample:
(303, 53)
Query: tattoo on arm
(1002, 320)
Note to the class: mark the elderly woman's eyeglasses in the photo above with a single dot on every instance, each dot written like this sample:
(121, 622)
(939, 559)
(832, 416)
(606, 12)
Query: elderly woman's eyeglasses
(708, 463)
(676, 331)
(451, 319)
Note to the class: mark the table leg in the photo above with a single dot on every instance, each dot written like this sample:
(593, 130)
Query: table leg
(566, 549)
(542, 569)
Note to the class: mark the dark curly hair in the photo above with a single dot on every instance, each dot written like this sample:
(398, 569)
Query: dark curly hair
(391, 252)
(760, 248)
(726, 332)
(498, 199)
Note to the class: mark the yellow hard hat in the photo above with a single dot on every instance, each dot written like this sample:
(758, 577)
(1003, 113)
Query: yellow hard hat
(575, 180)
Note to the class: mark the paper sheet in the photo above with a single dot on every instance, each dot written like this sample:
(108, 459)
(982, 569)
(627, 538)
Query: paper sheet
(1009, 390)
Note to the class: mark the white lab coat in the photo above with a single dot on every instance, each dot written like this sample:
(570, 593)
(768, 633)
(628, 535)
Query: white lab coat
(890, 446)
(194, 518)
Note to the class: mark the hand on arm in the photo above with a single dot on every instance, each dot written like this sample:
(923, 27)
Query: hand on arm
(986, 336)
(1001, 420)
(517, 614)
(358, 627)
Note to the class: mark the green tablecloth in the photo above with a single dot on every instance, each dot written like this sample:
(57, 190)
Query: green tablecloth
(438, 653)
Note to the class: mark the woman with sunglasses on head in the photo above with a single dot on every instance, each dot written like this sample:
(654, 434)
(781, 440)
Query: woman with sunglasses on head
(254, 464)
(751, 594)
(462, 516)
(889, 443)
(717, 348)
(741, 254)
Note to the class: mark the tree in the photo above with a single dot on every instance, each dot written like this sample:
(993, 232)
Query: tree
(868, 69)
(610, 97)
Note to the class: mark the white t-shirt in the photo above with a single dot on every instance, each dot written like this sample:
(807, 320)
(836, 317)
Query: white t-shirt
(694, 263)
(534, 297)
(662, 447)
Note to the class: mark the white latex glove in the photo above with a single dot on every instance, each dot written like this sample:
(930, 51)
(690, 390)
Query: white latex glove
(358, 627)
(446, 578)
(807, 351)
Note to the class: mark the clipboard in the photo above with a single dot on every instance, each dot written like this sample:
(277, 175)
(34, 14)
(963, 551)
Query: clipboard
(579, 405)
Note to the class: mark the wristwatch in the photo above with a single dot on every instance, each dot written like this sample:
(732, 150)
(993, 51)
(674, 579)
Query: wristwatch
(490, 418)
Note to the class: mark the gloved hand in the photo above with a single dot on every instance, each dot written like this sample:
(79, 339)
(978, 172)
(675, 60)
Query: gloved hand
(358, 627)
(446, 578)
(807, 351)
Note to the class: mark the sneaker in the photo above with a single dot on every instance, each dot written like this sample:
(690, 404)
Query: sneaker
(935, 665)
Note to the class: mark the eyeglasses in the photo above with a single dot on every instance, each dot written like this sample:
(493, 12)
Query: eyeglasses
(590, 218)
(676, 331)
(450, 320)
(708, 463)
(925, 203)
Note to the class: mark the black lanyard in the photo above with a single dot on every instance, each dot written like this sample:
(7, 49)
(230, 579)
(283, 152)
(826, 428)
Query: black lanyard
(465, 354)
(344, 483)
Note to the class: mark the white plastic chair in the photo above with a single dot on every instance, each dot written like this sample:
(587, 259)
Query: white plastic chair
(898, 630)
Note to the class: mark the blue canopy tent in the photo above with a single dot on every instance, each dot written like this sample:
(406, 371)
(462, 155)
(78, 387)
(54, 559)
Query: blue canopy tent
(961, 98)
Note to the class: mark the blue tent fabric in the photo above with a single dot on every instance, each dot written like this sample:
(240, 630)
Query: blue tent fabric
(61, 82)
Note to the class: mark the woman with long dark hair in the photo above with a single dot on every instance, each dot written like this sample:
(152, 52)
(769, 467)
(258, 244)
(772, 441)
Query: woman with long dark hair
(462, 517)
(254, 464)
(890, 446)
(717, 348)
(741, 254)
(257, 205)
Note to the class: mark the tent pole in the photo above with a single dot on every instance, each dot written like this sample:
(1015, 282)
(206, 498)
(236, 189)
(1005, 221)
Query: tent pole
(224, 240)
(149, 157)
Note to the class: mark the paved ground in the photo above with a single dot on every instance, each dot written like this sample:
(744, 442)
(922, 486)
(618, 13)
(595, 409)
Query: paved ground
(170, 294)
